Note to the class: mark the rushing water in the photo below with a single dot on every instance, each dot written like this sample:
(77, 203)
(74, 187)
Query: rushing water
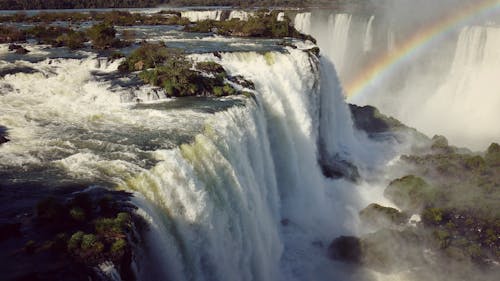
(232, 188)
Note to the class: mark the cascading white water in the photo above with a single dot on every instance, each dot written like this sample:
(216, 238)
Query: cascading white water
(339, 26)
(302, 22)
(195, 16)
(239, 14)
(247, 199)
(465, 107)
(368, 41)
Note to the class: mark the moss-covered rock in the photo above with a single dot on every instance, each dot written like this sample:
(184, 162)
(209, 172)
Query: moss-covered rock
(410, 193)
(379, 216)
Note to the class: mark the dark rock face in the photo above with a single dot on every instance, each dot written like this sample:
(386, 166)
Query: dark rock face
(18, 49)
(3, 135)
(370, 120)
(338, 168)
(346, 248)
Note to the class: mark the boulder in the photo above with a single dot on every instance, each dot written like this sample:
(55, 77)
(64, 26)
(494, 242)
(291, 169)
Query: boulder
(139, 65)
(346, 248)
(409, 193)
(18, 49)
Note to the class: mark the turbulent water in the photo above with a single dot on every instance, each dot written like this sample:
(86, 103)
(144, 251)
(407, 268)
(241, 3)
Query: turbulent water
(447, 88)
(232, 188)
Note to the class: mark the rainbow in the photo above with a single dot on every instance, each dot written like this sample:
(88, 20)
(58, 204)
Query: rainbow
(386, 64)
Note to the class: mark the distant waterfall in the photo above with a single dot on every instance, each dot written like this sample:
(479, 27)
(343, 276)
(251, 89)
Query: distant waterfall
(195, 16)
(469, 94)
(339, 26)
(368, 41)
(302, 22)
(340, 37)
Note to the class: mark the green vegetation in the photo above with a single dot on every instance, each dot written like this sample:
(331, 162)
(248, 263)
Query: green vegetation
(103, 36)
(72, 39)
(148, 56)
(88, 230)
(379, 216)
(409, 193)
(455, 194)
(171, 70)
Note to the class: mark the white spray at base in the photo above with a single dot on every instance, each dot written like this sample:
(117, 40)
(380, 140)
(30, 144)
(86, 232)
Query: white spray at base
(247, 199)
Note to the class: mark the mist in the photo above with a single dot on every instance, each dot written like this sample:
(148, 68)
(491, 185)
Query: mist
(448, 85)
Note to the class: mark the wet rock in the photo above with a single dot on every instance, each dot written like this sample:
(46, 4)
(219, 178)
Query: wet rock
(3, 140)
(339, 168)
(346, 248)
(240, 80)
(18, 49)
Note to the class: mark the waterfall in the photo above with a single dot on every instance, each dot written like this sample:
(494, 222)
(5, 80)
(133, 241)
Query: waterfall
(238, 14)
(248, 196)
(368, 41)
(339, 26)
(302, 22)
(195, 16)
(439, 92)
(469, 94)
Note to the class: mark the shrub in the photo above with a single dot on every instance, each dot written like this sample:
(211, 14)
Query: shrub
(108, 227)
(103, 36)
(88, 241)
(149, 55)
(72, 39)
(118, 246)
(432, 216)
(76, 240)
